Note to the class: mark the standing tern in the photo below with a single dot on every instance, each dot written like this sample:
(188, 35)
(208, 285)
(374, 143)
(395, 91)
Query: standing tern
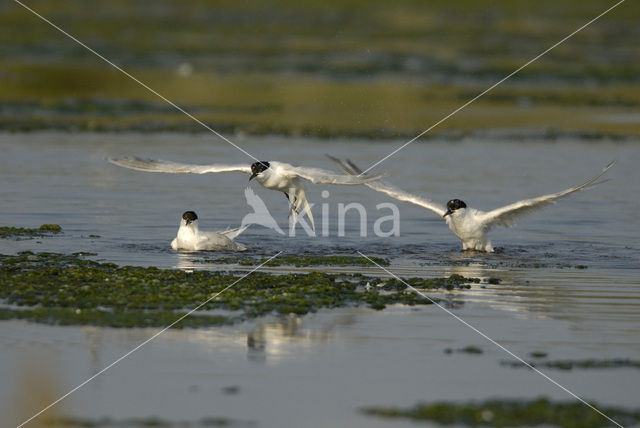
(469, 224)
(190, 238)
(278, 176)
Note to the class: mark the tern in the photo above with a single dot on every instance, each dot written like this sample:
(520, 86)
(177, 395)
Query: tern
(469, 224)
(190, 238)
(272, 175)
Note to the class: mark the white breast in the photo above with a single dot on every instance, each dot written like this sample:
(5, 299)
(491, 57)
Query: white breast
(272, 179)
(465, 224)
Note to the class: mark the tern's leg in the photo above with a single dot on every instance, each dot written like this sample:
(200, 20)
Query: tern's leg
(291, 203)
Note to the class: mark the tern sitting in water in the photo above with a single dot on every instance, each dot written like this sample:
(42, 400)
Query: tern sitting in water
(278, 176)
(469, 224)
(191, 239)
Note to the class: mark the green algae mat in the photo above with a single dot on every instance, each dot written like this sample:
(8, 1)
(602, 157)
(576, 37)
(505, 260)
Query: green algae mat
(7, 232)
(64, 289)
(491, 413)
(509, 413)
(298, 261)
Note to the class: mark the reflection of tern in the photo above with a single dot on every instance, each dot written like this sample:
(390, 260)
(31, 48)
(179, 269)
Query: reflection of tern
(272, 175)
(469, 224)
(190, 238)
(260, 214)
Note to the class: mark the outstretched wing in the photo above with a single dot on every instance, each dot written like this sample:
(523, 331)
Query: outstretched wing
(388, 188)
(158, 165)
(318, 175)
(507, 215)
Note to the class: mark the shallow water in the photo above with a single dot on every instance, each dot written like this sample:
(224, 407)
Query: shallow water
(319, 369)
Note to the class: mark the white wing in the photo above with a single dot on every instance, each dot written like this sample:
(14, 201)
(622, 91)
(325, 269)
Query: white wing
(233, 233)
(214, 241)
(388, 188)
(158, 165)
(507, 215)
(318, 175)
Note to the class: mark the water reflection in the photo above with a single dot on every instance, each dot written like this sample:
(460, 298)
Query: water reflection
(539, 293)
(479, 271)
(276, 339)
(271, 339)
(186, 262)
(94, 338)
(505, 290)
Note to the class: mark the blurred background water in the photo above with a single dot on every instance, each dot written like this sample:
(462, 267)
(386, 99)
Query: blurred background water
(324, 69)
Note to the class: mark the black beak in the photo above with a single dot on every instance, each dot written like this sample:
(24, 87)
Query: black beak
(254, 175)
(449, 212)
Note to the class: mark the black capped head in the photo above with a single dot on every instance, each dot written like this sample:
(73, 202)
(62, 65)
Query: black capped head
(257, 168)
(189, 216)
(454, 204)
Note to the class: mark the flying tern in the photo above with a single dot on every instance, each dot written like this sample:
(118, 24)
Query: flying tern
(272, 175)
(190, 238)
(469, 224)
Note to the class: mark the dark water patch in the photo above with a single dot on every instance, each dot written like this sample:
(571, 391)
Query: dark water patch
(92, 106)
(526, 97)
(155, 248)
(71, 422)
(231, 390)
(615, 363)
(471, 349)
(92, 123)
(175, 122)
(509, 413)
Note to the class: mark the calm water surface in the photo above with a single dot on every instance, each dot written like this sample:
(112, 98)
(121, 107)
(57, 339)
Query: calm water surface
(318, 370)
